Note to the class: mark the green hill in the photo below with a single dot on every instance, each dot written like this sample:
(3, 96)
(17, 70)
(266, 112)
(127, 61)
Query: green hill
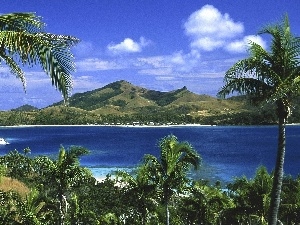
(25, 108)
(123, 102)
(122, 97)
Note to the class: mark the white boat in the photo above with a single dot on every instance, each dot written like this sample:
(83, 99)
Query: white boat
(3, 141)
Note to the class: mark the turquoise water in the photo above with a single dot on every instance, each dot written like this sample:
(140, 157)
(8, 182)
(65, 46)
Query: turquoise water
(227, 151)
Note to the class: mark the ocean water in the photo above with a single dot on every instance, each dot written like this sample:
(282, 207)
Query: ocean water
(226, 151)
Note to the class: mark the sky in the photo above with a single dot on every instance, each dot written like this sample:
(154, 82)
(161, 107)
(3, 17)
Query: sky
(159, 45)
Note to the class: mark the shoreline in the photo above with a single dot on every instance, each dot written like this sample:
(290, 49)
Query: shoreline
(110, 125)
(139, 126)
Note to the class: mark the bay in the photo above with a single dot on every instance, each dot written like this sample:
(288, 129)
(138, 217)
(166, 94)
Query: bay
(227, 151)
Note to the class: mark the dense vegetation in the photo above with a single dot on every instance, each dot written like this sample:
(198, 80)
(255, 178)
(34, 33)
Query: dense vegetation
(61, 115)
(60, 191)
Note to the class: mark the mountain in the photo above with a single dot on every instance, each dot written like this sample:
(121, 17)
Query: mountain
(26, 108)
(122, 97)
(121, 102)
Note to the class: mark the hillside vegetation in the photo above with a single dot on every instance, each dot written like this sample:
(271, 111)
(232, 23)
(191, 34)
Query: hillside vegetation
(124, 103)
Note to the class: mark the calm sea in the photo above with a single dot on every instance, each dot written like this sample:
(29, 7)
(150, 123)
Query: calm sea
(227, 151)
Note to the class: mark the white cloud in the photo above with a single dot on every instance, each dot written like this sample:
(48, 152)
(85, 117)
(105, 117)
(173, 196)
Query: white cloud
(154, 61)
(177, 58)
(256, 39)
(86, 82)
(209, 29)
(241, 46)
(95, 64)
(184, 62)
(156, 65)
(167, 64)
(128, 46)
(164, 78)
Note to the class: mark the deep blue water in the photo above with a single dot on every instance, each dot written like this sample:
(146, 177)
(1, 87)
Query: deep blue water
(227, 151)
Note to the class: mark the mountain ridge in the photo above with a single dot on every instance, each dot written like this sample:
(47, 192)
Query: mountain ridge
(121, 102)
(126, 97)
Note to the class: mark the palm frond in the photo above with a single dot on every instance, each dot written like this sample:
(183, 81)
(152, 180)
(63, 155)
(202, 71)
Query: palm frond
(14, 68)
(188, 156)
(252, 76)
(151, 160)
(126, 178)
(52, 52)
(21, 22)
(22, 40)
(257, 90)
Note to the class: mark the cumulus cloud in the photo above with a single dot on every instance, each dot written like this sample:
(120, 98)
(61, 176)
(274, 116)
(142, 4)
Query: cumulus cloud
(209, 29)
(240, 46)
(128, 46)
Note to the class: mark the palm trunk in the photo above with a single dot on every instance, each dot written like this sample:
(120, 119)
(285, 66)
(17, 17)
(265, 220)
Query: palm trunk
(166, 202)
(278, 173)
(61, 210)
(61, 213)
(62, 206)
(167, 214)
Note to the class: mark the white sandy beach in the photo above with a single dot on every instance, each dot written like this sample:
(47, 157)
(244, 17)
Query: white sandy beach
(111, 125)
(100, 173)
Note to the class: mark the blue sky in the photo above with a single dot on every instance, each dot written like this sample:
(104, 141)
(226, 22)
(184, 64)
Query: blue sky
(160, 45)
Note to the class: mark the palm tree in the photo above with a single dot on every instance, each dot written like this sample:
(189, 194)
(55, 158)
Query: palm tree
(22, 40)
(33, 208)
(272, 76)
(68, 173)
(205, 204)
(139, 193)
(169, 171)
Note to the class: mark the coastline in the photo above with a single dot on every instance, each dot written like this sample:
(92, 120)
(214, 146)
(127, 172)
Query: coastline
(110, 125)
(140, 125)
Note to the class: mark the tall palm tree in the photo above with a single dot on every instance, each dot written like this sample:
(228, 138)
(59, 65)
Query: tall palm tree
(169, 171)
(23, 41)
(272, 76)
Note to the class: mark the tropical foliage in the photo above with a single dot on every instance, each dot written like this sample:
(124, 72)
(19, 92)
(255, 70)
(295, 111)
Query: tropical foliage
(273, 77)
(169, 171)
(24, 41)
(60, 191)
